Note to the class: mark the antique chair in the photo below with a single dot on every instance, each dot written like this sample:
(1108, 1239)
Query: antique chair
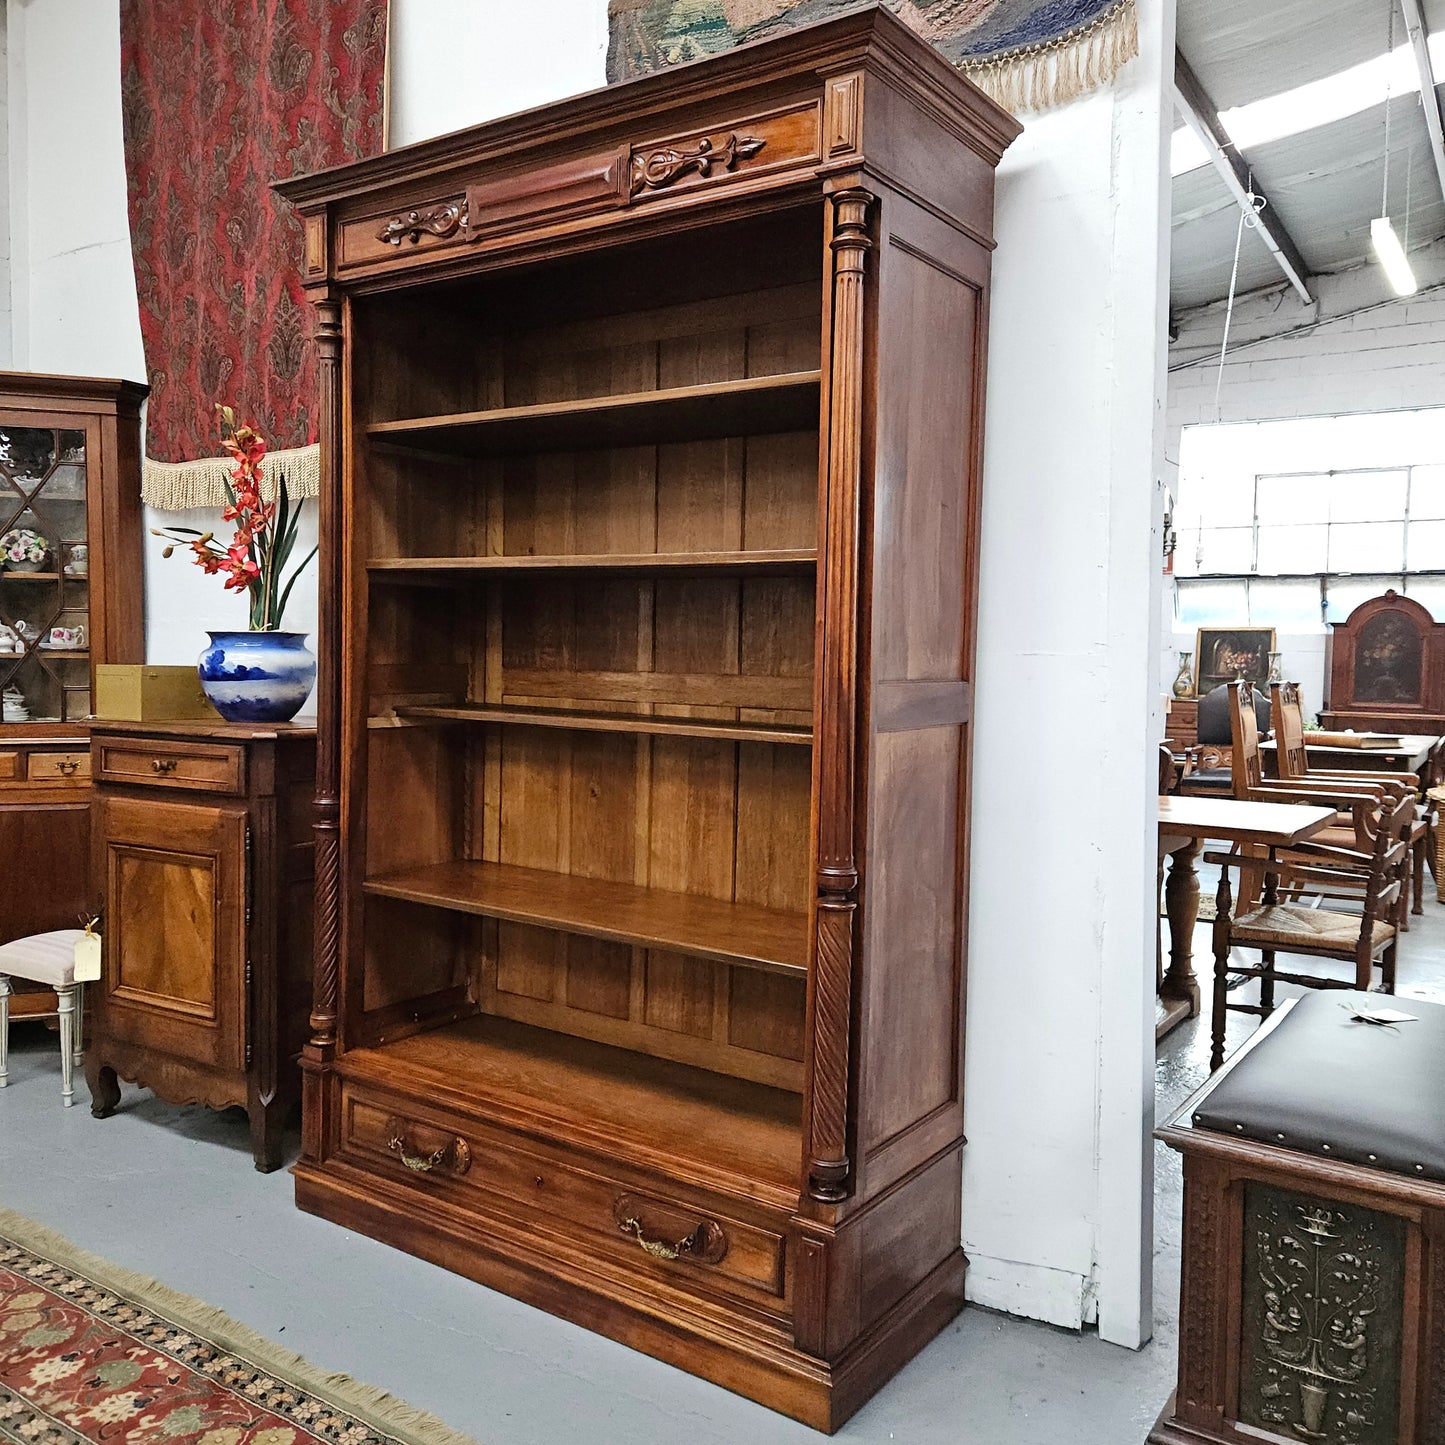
(47, 958)
(1209, 773)
(1366, 938)
(1292, 764)
(1249, 783)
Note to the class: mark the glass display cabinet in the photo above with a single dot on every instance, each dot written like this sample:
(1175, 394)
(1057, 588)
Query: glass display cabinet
(71, 596)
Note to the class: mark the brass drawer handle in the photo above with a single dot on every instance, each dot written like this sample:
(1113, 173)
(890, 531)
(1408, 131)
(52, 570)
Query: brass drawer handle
(707, 1243)
(68, 767)
(163, 765)
(656, 1247)
(417, 1163)
(455, 1155)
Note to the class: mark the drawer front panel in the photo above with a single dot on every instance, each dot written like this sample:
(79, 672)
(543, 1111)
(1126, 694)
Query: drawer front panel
(698, 1243)
(145, 762)
(52, 767)
(11, 767)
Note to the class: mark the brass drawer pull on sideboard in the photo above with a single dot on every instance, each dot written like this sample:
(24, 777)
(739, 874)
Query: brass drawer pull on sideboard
(68, 766)
(163, 765)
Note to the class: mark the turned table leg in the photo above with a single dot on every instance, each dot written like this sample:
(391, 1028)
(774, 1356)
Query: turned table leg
(1179, 992)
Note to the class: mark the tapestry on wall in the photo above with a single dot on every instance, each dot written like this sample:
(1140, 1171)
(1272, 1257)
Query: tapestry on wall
(218, 101)
(1027, 54)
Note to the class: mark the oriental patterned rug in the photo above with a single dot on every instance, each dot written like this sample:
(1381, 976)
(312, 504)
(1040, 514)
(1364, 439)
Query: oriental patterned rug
(90, 1353)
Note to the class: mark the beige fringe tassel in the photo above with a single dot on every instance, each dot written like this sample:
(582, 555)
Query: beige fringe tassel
(383, 1412)
(1054, 72)
(179, 486)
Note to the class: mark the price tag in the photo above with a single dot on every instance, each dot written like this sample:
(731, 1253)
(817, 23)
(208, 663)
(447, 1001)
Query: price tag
(87, 955)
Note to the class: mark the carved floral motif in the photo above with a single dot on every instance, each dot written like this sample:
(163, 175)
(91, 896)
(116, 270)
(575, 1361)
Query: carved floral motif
(659, 168)
(442, 221)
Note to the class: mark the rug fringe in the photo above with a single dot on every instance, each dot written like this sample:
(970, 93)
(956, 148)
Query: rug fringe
(1037, 77)
(372, 1406)
(181, 486)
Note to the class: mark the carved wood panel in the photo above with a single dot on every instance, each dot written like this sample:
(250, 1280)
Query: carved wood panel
(1323, 1303)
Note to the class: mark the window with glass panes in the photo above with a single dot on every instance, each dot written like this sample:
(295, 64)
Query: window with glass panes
(1297, 524)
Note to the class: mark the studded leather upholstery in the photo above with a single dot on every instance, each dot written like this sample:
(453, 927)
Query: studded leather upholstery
(1324, 1083)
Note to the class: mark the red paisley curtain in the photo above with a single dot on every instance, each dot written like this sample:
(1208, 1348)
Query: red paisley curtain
(218, 101)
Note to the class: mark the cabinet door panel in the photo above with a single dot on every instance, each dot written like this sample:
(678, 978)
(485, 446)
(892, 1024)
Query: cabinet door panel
(47, 844)
(175, 934)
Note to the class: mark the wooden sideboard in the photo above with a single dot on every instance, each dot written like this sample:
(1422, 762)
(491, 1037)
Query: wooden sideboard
(69, 471)
(651, 429)
(203, 850)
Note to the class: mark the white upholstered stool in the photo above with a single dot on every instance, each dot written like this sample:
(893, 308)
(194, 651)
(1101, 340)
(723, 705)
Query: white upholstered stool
(47, 958)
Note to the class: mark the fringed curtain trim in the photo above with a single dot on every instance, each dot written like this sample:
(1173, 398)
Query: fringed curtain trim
(1053, 72)
(180, 486)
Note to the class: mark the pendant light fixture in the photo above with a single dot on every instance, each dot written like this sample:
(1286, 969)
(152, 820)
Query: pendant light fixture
(1383, 236)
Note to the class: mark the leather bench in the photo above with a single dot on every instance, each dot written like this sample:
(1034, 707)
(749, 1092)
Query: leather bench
(1312, 1302)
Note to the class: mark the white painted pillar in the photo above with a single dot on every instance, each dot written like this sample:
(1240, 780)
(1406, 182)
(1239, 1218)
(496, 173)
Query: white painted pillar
(1059, 1086)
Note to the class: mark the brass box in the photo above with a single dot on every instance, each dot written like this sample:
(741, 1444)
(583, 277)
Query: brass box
(140, 692)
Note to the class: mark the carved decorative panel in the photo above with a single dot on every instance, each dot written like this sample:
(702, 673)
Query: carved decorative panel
(1323, 1300)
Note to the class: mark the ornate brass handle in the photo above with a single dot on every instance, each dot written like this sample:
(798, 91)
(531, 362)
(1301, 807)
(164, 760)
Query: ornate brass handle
(656, 1247)
(417, 1163)
(453, 1154)
(163, 765)
(68, 766)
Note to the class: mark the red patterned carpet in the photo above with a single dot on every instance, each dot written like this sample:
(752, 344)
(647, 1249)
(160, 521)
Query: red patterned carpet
(89, 1354)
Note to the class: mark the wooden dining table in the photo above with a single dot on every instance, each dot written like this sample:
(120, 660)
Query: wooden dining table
(1184, 823)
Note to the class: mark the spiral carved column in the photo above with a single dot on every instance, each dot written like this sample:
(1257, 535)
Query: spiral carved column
(829, 1166)
(329, 342)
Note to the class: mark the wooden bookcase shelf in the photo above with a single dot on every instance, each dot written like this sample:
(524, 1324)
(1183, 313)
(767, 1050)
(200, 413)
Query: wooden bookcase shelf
(422, 569)
(749, 405)
(649, 511)
(681, 727)
(713, 928)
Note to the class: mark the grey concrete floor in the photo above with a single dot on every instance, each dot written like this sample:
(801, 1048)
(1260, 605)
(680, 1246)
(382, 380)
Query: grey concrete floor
(171, 1192)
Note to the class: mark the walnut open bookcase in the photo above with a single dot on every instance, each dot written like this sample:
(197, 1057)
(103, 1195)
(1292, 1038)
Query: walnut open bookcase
(651, 432)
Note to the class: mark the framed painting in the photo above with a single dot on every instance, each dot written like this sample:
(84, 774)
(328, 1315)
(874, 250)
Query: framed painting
(1225, 653)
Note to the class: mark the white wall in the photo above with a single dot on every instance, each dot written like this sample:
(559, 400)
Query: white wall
(1357, 349)
(512, 57)
(1060, 1011)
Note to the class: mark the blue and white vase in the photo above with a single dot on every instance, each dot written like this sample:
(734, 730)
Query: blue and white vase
(257, 677)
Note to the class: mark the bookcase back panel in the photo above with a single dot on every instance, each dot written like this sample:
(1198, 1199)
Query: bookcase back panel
(720, 647)
(728, 300)
(690, 815)
(697, 1011)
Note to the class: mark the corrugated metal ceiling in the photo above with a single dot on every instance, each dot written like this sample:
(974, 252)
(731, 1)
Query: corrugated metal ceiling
(1324, 184)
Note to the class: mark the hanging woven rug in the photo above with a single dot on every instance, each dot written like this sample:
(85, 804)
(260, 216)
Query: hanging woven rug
(1027, 54)
(94, 1355)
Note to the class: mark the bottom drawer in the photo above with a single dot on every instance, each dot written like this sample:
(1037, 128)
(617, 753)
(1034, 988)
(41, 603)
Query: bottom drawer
(697, 1241)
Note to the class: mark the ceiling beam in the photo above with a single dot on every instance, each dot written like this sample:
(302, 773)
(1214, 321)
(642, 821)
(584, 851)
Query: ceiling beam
(1420, 43)
(1199, 112)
